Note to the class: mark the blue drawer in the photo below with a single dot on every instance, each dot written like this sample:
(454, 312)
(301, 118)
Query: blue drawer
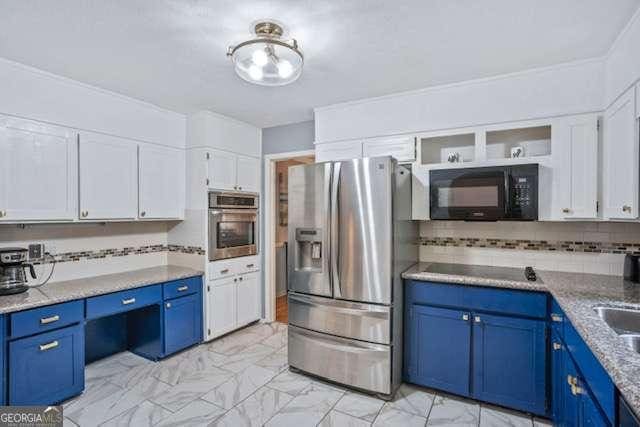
(179, 288)
(44, 319)
(122, 301)
(48, 368)
(494, 300)
(558, 318)
(594, 374)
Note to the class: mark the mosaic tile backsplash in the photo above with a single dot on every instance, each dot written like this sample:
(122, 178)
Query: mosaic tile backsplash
(590, 247)
(118, 252)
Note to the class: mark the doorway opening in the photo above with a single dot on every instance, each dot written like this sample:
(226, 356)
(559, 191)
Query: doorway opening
(276, 231)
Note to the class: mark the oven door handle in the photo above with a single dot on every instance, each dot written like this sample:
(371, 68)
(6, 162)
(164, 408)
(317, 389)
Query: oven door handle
(248, 212)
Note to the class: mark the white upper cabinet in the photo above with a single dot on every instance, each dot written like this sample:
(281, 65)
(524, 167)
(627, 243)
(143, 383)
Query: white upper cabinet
(620, 159)
(638, 99)
(222, 170)
(575, 142)
(228, 171)
(403, 149)
(38, 172)
(338, 151)
(211, 130)
(108, 177)
(248, 174)
(161, 182)
(420, 192)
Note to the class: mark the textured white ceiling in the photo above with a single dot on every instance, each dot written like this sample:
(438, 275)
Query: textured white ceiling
(172, 53)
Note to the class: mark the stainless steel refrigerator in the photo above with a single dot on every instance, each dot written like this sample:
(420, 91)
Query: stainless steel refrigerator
(350, 238)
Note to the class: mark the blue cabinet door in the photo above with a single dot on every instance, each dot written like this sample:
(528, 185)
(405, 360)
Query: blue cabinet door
(558, 379)
(509, 362)
(590, 414)
(439, 348)
(47, 368)
(182, 323)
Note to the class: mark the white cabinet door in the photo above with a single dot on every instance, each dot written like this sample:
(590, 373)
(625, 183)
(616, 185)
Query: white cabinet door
(108, 177)
(248, 173)
(161, 182)
(248, 299)
(222, 170)
(419, 192)
(221, 308)
(403, 149)
(575, 179)
(38, 172)
(620, 159)
(338, 151)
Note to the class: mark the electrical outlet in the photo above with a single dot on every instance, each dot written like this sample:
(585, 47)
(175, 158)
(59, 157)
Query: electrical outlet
(36, 251)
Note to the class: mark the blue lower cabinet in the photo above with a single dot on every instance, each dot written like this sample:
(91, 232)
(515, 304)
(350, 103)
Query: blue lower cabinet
(558, 379)
(439, 348)
(3, 360)
(509, 362)
(46, 368)
(182, 323)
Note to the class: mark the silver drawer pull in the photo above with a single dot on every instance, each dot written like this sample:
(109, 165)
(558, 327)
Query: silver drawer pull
(51, 319)
(49, 346)
(225, 271)
(556, 317)
(128, 301)
(183, 288)
(249, 265)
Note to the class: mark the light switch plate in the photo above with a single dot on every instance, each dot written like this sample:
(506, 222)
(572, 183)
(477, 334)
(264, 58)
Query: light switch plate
(36, 251)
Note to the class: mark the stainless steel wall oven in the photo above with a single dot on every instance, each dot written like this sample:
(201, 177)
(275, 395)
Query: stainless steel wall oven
(233, 225)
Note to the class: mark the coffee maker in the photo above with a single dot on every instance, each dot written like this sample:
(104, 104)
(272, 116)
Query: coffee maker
(13, 270)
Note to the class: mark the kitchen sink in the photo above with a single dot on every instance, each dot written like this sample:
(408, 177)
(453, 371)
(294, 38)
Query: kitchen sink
(625, 322)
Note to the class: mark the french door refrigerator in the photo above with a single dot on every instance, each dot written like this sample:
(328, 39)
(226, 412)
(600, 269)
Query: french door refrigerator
(350, 238)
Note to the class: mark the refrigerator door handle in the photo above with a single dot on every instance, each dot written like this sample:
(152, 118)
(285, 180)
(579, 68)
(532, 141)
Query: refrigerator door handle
(334, 252)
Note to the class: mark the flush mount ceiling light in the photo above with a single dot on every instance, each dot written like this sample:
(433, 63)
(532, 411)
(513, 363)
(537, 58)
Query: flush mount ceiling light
(267, 59)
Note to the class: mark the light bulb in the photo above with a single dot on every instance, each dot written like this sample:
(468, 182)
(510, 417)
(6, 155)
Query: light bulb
(255, 72)
(259, 57)
(284, 68)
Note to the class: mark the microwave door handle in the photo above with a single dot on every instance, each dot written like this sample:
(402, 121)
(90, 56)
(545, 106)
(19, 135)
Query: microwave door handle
(507, 191)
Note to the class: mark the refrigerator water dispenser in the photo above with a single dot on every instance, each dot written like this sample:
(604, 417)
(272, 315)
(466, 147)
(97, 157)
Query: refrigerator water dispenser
(308, 249)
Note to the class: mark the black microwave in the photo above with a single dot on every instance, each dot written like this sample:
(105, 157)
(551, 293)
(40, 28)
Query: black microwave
(496, 193)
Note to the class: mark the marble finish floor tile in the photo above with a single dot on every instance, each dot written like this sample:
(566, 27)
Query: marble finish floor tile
(239, 387)
(414, 400)
(277, 340)
(391, 417)
(491, 416)
(539, 422)
(196, 414)
(235, 343)
(240, 361)
(339, 419)
(256, 410)
(454, 411)
(306, 409)
(359, 405)
(116, 403)
(276, 361)
(290, 382)
(144, 414)
(191, 388)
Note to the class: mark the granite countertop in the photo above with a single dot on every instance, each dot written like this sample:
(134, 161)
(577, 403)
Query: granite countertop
(577, 294)
(56, 292)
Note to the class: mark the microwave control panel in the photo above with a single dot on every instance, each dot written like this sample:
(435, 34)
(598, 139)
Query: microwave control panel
(524, 192)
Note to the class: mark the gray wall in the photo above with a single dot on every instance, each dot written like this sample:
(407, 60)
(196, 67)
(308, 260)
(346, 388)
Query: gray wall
(282, 139)
(293, 137)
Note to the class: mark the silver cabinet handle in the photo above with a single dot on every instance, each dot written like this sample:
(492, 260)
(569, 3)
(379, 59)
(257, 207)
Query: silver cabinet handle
(566, 210)
(183, 288)
(46, 320)
(235, 279)
(235, 187)
(556, 317)
(49, 346)
(239, 188)
(3, 214)
(128, 301)
(143, 213)
(240, 278)
(84, 214)
(626, 208)
(249, 265)
(225, 271)
(168, 305)
(476, 319)
(557, 346)
(465, 317)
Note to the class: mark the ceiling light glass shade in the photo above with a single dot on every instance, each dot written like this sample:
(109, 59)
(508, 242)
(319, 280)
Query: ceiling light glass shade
(267, 60)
